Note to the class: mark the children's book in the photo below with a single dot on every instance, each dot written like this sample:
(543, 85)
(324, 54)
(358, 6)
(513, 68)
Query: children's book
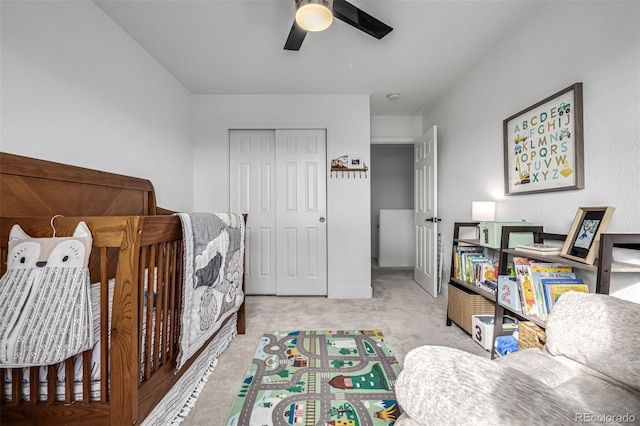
(546, 270)
(457, 258)
(489, 285)
(539, 249)
(487, 271)
(467, 264)
(550, 267)
(459, 262)
(555, 287)
(522, 267)
(476, 265)
(540, 295)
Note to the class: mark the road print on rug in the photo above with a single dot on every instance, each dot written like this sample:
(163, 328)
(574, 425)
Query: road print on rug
(337, 378)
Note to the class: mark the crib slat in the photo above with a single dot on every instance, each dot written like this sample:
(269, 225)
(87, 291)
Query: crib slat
(3, 375)
(104, 325)
(86, 376)
(158, 309)
(178, 308)
(16, 384)
(175, 283)
(142, 266)
(149, 311)
(165, 306)
(69, 375)
(34, 383)
(52, 373)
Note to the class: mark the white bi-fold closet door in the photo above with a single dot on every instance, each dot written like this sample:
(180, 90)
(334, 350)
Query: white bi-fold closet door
(279, 178)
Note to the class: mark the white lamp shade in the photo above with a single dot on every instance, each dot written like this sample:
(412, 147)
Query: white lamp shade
(483, 211)
(314, 15)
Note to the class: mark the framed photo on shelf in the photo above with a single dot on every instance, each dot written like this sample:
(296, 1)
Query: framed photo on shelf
(583, 238)
(543, 145)
(355, 162)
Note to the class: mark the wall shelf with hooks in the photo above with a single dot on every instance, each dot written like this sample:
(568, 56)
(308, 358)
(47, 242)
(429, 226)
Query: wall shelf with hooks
(348, 166)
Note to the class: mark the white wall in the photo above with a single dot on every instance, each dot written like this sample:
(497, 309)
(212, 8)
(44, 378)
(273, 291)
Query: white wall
(596, 43)
(76, 89)
(347, 121)
(395, 128)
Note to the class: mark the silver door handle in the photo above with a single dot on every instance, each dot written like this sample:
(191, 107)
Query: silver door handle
(322, 219)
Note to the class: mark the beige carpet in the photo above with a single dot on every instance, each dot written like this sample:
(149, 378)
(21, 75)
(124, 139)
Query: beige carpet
(407, 315)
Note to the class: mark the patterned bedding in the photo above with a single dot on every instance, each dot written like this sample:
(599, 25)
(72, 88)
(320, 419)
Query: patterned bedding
(213, 270)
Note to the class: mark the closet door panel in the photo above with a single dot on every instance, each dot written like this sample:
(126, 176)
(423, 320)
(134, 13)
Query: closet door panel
(301, 224)
(252, 191)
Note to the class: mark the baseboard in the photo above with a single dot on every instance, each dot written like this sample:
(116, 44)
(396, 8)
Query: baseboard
(350, 293)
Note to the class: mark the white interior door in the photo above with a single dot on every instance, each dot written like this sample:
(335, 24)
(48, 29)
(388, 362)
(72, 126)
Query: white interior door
(426, 211)
(252, 183)
(301, 179)
(278, 177)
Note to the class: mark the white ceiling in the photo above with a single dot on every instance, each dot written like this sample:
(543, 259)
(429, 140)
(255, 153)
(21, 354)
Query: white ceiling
(236, 46)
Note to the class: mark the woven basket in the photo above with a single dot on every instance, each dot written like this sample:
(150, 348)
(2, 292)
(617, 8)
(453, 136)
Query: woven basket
(530, 335)
(463, 304)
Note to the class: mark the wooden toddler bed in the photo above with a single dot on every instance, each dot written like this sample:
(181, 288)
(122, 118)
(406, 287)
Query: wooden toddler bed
(131, 236)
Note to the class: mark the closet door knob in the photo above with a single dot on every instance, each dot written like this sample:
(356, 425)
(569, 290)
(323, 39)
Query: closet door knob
(322, 220)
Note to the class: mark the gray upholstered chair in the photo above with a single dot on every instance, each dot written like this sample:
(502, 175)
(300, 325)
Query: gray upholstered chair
(588, 371)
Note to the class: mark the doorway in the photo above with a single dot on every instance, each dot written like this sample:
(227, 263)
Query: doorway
(278, 177)
(392, 186)
(418, 165)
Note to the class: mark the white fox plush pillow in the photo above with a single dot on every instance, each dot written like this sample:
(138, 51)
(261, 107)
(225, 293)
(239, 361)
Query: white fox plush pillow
(45, 303)
(65, 252)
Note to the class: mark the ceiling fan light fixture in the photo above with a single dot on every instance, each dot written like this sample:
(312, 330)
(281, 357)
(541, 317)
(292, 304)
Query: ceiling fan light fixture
(314, 15)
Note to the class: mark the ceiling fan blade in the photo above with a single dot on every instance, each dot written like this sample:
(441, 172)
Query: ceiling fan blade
(296, 37)
(359, 19)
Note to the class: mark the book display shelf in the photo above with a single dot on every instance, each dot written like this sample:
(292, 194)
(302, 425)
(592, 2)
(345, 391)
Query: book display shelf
(459, 308)
(465, 298)
(602, 268)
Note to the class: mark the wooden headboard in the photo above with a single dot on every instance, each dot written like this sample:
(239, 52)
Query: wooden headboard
(31, 187)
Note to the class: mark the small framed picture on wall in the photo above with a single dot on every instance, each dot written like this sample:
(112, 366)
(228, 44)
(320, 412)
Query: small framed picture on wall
(355, 162)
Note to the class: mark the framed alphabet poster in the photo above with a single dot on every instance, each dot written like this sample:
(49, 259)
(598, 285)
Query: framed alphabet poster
(543, 145)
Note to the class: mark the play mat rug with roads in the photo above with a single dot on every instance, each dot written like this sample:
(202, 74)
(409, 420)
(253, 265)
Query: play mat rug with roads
(333, 378)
